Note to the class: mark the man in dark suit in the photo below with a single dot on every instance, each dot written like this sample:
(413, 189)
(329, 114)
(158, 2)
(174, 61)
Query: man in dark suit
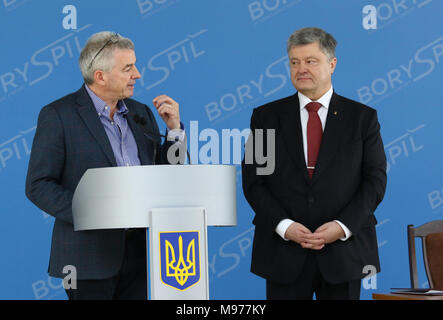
(94, 127)
(314, 214)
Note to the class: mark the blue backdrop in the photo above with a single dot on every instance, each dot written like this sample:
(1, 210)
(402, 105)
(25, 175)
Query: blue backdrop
(219, 59)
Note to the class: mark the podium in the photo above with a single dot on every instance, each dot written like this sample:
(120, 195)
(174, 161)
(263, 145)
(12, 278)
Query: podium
(177, 203)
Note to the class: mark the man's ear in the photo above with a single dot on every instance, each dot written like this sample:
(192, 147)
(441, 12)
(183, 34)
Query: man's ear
(333, 64)
(99, 77)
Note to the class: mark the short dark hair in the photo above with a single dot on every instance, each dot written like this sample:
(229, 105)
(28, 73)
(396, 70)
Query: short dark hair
(310, 35)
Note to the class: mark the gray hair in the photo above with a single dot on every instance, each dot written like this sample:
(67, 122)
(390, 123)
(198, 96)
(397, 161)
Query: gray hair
(107, 42)
(310, 35)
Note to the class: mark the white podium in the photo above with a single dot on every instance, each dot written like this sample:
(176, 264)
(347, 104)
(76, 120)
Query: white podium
(177, 203)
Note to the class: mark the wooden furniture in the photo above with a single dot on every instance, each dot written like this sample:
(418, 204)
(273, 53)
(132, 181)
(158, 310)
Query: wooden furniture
(401, 296)
(431, 234)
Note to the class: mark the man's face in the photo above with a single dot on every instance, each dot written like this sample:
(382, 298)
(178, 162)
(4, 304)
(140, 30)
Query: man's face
(311, 70)
(119, 82)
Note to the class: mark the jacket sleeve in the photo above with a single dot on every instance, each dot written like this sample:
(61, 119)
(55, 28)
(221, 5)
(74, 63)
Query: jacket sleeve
(46, 166)
(268, 211)
(373, 182)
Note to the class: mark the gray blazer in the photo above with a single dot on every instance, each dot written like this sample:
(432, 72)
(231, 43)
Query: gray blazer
(69, 140)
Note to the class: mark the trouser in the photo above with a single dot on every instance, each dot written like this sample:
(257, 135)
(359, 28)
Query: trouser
(311, 281)
(130, 283)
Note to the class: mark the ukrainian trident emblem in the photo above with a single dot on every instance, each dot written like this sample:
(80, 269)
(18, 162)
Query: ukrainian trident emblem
(180, 259)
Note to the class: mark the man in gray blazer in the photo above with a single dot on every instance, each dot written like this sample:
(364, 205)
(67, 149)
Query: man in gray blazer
(94, 127)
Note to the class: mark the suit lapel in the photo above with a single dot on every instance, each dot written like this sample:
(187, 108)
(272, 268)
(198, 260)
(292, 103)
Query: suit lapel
(291, 132)
(332, 135)
(89, 115)
(139, 136)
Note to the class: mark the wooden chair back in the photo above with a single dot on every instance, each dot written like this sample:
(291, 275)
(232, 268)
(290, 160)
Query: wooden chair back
(431, 234)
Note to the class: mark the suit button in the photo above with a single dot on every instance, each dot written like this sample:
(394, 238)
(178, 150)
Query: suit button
(311, 199)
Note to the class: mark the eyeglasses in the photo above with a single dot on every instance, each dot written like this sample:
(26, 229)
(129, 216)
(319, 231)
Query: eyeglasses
(114, 38)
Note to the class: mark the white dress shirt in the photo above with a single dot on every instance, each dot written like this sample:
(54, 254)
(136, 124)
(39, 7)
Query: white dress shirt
(304, 115)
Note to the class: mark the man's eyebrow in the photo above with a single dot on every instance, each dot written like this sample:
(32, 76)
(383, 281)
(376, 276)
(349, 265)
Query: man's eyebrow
(128, 65)
(310, 57)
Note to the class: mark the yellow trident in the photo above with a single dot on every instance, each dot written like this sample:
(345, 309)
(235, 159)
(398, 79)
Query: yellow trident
(180, 270)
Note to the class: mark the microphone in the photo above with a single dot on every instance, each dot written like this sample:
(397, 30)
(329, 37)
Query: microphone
(142, 121)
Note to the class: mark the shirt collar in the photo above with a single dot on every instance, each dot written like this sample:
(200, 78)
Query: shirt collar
(100, 105)
(324, 99)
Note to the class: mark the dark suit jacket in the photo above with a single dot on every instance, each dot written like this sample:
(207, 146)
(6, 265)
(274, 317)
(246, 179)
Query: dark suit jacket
(348, 184)
(69, 140)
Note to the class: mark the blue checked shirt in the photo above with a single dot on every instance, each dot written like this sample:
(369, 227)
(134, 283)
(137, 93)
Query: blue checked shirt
(118, 131)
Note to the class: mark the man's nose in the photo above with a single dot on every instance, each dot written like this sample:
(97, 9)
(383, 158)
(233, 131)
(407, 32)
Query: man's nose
(136, 74)
(302, 68)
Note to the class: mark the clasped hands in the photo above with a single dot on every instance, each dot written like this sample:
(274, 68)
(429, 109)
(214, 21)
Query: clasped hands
(326, 233)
